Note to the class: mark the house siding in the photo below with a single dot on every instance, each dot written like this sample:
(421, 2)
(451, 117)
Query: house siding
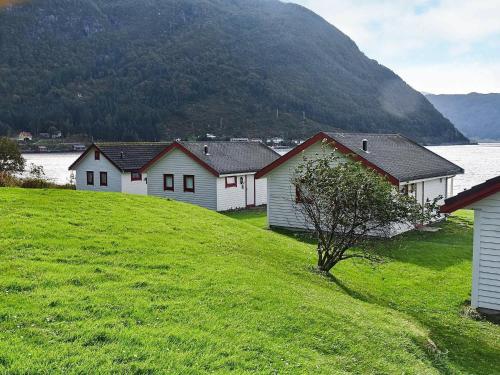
(281, 207)
(281, 210)
(261, 191)
(230, 198)
(179, 164)
(486, 273)
(134, 187)
(103, 165)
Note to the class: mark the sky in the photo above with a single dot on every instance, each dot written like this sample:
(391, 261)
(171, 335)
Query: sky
(436, 46)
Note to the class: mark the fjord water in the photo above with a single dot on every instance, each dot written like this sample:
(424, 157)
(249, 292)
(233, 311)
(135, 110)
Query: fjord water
(481, 162)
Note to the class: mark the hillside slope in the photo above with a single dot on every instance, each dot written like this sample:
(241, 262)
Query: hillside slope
(123, 69)
(476, 115)
(107, 283)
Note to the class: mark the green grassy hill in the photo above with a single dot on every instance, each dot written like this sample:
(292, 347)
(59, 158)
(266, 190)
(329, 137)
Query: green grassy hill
(93, 283)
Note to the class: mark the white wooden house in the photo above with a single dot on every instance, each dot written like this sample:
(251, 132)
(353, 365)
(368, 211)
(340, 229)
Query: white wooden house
(115, 167)
(484, 199)
(411, 168)
(216, 175)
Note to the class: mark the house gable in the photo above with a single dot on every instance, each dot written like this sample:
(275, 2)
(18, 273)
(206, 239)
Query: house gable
(179, 164)
(471, 196)
(320, 138)
(89, 152)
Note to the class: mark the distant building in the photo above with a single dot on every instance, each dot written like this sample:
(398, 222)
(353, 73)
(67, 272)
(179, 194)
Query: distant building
(44, 135)
(25, 136)
(277, 140)
(211, 136)
(57, 134)
(42, 149)
(79, 148)
(259, 140)
(240, 140)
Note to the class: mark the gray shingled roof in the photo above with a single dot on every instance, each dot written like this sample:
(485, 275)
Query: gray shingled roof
(398, 156)
(233, 157)
(126, 156)
(131, 156)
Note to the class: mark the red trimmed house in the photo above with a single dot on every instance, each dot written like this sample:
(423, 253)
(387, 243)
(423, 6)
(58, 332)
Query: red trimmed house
(115, 167)
(410, 167)
(216, 175)
(484, 199)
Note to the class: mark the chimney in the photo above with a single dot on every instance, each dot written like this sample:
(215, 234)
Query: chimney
(121, 155)
(365, 145)
(206, 150)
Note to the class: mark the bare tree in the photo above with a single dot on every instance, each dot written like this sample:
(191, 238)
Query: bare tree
(345, 203)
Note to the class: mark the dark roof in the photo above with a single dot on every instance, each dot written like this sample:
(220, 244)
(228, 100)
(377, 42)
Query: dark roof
(393, 155)
(126, 156)
(472, 195)
(233, 157)
(397, 155)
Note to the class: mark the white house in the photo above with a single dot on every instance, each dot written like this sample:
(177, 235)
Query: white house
(411, 168)
(216, 175)
(484, 199)
(115, 167)
(25, 136)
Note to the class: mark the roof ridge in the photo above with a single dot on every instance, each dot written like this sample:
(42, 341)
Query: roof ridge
(360, 133)
(130, 143)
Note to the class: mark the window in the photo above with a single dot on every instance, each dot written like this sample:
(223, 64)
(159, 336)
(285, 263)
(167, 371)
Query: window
(298, 196)
(103, 177)
(135, 176)
(90, 178)
(168, 182)
(189, 183)
(97, 155)
(409, 189)
(231, 182)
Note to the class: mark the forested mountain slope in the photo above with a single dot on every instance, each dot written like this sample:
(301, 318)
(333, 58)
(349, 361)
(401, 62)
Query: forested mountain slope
(476, 115)
(158, 69)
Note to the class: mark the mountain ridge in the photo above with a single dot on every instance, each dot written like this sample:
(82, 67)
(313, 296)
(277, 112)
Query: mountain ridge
(476, 115)
(119, 70)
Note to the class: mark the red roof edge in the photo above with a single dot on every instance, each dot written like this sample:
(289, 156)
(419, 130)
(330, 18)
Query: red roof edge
(82, 156)
(339, 146)
(179, 146)
(471, 196)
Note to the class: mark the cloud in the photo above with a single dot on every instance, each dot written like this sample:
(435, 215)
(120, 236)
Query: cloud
(453, 78)
(428, 34)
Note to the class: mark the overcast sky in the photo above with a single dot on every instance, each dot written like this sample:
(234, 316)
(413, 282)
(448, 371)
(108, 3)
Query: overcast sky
(437, 46)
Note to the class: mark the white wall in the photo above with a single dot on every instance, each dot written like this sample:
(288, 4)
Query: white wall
(230, 198)
(281, 210)
(103, 165)
(261, 191)
(486, 263)
(179, 164)
(281, 206)
(134, 187)
(430, 189)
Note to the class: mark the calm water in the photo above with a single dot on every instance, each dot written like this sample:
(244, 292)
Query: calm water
(55, 165)
(481, 162)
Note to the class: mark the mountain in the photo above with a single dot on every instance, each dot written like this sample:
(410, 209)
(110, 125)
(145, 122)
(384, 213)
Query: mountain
(476, 115)
(159, 69)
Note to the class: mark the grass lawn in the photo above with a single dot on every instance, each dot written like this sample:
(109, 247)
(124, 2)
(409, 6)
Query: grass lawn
(100, 283)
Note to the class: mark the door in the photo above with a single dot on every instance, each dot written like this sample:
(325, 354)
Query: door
(250, 190)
